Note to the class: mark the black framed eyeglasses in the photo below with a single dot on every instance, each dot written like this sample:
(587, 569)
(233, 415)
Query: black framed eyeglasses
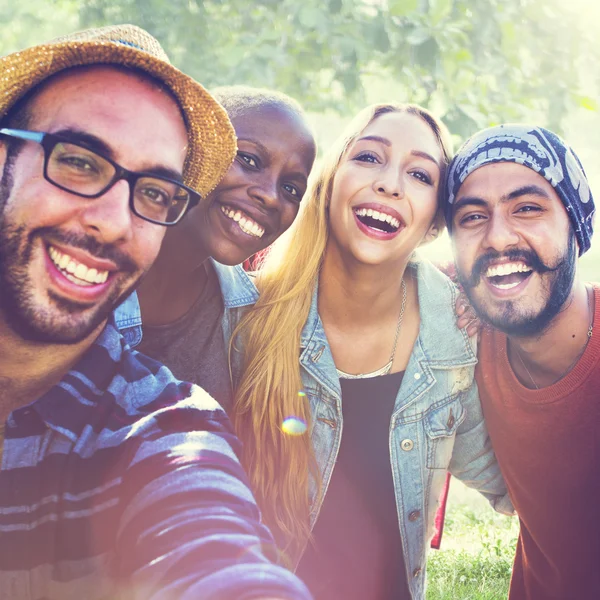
(86, 173)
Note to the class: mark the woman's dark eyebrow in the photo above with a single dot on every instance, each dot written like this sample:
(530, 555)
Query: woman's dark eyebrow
(256, 143)
(265, 151)
(375, 138)
(426, 156)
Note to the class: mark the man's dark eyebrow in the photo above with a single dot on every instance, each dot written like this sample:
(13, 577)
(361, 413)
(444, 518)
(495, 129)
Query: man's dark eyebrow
(95, 144)
(164, 172)
(86, 139)
(469, 201)
(526, 190)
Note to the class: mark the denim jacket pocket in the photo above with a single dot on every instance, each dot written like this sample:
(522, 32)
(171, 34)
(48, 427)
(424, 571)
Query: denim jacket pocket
(441, 424)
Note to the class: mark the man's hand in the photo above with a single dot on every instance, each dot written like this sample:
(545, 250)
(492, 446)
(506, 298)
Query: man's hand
(466, 317)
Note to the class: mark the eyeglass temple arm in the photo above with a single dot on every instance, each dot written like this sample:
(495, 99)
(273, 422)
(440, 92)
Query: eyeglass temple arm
(33, 136)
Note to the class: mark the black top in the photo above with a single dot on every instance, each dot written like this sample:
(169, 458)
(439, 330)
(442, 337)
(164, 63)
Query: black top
(356, 552)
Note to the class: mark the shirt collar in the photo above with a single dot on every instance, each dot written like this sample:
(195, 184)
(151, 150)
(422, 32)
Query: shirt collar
(68, 405)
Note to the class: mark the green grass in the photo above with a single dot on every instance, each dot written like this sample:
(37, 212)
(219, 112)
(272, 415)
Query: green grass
(478, 545)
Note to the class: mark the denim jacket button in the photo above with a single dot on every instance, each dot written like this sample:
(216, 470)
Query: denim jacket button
(406, 445)
(417, 572)
(417, 375)
(414, 515)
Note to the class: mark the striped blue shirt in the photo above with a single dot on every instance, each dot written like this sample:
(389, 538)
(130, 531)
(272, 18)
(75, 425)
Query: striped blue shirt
(122, 482)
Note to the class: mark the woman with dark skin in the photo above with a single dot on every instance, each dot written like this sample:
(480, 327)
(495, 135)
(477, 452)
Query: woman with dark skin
(182, 296)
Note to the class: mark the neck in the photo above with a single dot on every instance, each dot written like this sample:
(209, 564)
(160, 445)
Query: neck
(366, 320)
(542, 361)
(357, 294)
(173, 270)
(29, 369)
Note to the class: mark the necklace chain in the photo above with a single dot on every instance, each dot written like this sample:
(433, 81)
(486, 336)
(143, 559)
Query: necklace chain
(388, 366)
(590, 331)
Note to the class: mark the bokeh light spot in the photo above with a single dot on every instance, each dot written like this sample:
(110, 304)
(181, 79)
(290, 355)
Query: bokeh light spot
(293, 426)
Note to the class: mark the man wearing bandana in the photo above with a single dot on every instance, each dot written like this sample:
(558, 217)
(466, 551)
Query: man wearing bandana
(519, 210)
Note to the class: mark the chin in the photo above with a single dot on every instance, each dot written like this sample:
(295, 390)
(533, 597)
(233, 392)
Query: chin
(228, 260)
(55, 327)
(233, 255)
(512, 318)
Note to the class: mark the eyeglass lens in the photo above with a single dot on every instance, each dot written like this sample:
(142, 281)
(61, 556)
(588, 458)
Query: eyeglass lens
(84, 172)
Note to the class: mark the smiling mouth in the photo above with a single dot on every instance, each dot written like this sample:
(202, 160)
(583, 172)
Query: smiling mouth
(377, 220)
(245, 223)
(506, 276)
(74, 271)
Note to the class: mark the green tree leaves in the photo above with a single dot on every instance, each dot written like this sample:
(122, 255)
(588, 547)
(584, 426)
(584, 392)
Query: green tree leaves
(475, 62)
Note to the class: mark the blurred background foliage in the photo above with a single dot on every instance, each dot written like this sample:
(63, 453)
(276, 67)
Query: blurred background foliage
(472, 62)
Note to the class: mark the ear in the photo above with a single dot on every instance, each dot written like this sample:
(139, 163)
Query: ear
(435, 229)
(431, 234)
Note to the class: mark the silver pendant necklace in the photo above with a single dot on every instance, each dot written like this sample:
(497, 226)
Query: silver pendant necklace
(388, 366)
(590, 331)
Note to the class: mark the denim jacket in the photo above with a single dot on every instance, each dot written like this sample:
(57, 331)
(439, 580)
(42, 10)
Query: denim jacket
(436, 425)
(236, 286)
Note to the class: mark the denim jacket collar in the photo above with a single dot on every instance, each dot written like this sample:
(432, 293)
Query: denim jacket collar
(237, 289)
(454, 350)
(237, 286)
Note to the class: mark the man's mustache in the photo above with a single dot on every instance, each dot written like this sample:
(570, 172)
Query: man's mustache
(88, 243)
(529, 257)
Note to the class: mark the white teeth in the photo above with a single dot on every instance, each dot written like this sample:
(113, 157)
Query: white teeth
(506, 286)
(246, 224)
(379, 216)
(506, 269)
(75, 271)
(80, 271)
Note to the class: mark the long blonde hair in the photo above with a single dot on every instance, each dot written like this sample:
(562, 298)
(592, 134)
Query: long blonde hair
(280, 465)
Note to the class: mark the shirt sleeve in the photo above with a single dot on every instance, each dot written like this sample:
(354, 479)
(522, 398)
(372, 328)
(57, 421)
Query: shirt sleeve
(190, 527)
(473, 459)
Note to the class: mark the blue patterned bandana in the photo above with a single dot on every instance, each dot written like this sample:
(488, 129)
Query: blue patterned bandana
(538, 149)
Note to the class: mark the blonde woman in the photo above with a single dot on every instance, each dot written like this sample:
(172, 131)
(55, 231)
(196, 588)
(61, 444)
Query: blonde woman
(355, 336)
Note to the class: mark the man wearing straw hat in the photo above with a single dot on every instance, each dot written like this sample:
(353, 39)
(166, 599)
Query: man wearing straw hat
(117, 480)
(520, 211)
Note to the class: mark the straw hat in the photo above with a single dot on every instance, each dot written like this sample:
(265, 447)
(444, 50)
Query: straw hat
(211, 138)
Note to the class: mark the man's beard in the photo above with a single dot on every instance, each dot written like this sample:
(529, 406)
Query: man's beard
(57, 322)
(510, 320)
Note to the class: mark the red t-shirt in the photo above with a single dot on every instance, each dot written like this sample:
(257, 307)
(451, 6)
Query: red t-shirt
(548, 446)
